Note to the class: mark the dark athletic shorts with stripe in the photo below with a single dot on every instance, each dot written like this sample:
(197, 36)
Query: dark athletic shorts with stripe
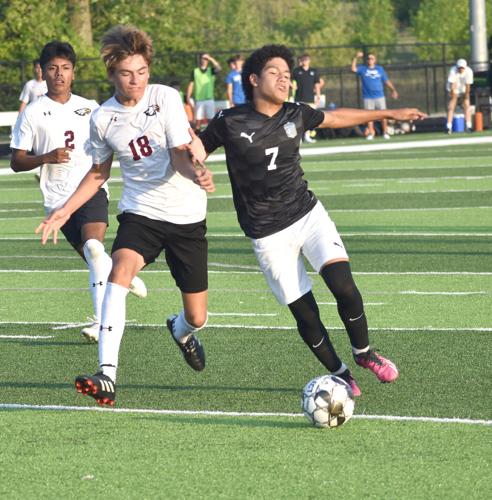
(95, 210)
(185, 247)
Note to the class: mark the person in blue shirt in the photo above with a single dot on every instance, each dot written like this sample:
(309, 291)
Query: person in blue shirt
(373, 79)
(235, 93)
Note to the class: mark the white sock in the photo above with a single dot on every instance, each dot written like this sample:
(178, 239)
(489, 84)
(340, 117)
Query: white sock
(341, 369)
(182, 329)
(112, 328)
(99, 264)
(359, 351)
(468, 125)
(449, 126)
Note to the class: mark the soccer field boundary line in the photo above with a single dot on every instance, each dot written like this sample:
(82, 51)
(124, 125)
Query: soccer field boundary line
(366, 234)
(67, 325)
(220, 413)
(232, 271)
(33, 337)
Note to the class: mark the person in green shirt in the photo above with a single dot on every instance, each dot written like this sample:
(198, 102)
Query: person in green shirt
(200, 91)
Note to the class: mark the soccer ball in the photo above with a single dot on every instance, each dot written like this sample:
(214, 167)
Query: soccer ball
(327, 401)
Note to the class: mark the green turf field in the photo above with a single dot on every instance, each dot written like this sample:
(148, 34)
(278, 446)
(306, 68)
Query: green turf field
(418, 227)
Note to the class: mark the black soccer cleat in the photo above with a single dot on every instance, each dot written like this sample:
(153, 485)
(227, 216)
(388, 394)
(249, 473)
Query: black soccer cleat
(192, 349)
(98, 386)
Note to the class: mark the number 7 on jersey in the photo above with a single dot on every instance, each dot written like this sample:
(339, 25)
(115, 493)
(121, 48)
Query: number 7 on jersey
(274, 152)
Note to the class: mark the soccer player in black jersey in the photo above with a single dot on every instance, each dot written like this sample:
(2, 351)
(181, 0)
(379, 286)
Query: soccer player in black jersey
(283, 218)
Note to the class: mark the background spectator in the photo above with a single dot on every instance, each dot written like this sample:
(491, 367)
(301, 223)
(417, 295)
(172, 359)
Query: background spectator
(201, 87)
(459, 82)
(33, 88)
(373, 79)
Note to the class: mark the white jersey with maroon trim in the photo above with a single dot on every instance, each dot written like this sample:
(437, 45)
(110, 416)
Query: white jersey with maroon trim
(141, 137)
(46, 125)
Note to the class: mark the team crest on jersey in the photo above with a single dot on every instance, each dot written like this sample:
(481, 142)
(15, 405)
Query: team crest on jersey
(82, 111)
(290, 129)
(152, 110)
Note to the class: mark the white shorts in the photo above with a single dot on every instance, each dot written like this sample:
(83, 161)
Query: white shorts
(205, 110)
(280, 255)
(378, 103)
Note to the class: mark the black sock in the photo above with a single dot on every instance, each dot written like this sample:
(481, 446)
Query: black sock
(306, 312)
(339, 279)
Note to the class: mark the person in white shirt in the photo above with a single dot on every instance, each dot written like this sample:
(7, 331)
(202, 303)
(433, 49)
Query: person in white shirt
(33, 88)
(459, 83)
(163, 205)
(53, 133)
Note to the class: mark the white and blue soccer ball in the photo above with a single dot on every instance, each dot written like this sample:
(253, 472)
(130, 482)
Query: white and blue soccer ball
(327, 401)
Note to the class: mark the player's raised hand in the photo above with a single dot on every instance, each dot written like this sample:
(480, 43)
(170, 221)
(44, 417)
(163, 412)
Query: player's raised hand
(404, 114)
(196, 150)
(204, 178)
(52, 224)
(58, 155)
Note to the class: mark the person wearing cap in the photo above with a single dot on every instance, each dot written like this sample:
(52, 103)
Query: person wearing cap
(459, 82)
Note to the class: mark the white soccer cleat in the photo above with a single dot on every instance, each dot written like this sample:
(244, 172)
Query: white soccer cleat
(91, 332)
(387, 136)
(138, 288)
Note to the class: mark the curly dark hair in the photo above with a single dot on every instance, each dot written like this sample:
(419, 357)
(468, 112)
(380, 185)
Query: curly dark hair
(256, 62)
(54, 49)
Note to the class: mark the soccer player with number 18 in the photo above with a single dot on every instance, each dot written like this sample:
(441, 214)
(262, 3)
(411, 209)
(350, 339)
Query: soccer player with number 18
(163, 204)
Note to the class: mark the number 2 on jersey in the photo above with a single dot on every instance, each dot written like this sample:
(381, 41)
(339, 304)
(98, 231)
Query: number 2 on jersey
(70, 136)
(144, 147)
(274, 152)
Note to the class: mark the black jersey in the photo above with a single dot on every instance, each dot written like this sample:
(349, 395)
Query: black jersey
(264, 164)
(305, 79)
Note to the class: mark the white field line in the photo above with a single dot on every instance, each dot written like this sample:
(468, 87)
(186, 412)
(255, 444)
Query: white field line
(417, 234)
(380, 147)
(334, 303)
(330, 192)
(67, 325)
(34, 337)
(416, 292)
(249, 290)
(356, 273)
(218, 413)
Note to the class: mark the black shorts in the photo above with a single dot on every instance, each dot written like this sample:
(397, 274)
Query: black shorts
(185, 247)
(94, 210)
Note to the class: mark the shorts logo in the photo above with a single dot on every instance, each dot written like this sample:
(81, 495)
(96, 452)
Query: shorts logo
(82, 111)
(152, 110)
(290, 129)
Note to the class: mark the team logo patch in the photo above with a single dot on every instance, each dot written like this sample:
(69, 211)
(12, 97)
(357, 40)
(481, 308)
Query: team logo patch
(152, 110)
(82, 111)
(290, 129)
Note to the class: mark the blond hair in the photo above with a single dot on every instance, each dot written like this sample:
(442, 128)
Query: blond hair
(123, 41)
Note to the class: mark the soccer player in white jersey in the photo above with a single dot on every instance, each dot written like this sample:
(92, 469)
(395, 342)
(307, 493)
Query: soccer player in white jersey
(283, 218)
(163, 205)
(55, 127)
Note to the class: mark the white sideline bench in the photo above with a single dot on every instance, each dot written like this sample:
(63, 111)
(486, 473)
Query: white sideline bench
(8, 118)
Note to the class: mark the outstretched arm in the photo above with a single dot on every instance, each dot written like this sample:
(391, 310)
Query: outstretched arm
(88, 187)
(349, 117)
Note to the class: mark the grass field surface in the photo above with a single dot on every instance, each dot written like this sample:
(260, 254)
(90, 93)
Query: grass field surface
(417, 224)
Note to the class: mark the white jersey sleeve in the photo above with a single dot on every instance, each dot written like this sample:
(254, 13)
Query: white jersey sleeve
(175, 120)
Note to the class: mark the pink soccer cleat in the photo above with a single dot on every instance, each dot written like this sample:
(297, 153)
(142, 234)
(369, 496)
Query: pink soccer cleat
(384, 369)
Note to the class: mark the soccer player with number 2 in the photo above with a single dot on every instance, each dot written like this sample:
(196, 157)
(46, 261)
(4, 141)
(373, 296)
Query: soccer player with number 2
(53, 133)
(163, 204)
(281, 216)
